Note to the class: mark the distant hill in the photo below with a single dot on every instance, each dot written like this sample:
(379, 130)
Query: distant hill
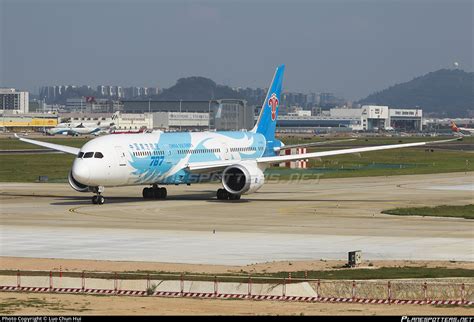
(446, 92)
(197, 88)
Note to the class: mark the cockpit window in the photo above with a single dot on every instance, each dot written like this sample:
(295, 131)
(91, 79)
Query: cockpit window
(79, 156)
(98, 155)
(88, 155)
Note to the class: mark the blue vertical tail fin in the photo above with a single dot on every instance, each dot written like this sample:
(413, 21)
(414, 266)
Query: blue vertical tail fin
(266, 123)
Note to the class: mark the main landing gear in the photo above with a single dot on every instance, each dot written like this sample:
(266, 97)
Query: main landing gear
(223, 194)
(154, 193)
(98, 199)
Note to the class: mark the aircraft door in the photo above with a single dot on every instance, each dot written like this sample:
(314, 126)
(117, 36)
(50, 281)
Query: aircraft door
(226, 152)
(121, 157)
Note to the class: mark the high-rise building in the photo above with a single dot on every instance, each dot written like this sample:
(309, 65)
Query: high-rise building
(101, 90)
(120, 92)
(13, 101)
(112, 91)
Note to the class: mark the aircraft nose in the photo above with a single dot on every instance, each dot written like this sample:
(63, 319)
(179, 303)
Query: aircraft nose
(81, 172)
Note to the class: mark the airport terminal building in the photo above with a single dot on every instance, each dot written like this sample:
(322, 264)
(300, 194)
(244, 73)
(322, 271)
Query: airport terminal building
(367, 118)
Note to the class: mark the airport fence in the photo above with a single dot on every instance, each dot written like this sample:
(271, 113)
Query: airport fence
(445, 292)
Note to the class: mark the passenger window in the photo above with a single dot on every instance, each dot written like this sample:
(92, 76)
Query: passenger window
(88, 155)
(98, 155)
(79, 156)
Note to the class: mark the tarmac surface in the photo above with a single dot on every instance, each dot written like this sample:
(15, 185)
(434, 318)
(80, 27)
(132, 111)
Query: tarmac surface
(304, 220)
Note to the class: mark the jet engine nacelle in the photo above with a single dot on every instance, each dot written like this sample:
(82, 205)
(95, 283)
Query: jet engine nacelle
(242, 178)
(76, 185)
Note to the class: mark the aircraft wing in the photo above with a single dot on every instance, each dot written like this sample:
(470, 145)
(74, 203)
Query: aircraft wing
(310, 145)
(57, 147)
(216, 166)
(295, 157)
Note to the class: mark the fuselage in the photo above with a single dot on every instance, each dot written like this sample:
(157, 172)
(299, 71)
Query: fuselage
(74, 130)
(461, 130)
(78, 129)
(466, 130)
(161, 158)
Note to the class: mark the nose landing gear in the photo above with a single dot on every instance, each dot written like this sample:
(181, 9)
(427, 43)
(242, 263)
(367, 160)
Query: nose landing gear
(154, 193)
(98, 199)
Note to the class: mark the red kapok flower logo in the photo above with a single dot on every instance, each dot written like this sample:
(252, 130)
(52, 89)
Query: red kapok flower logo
(273, 103)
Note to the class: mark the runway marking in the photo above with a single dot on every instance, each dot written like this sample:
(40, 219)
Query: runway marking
(74, 210)
(29, 195)
(134, 219)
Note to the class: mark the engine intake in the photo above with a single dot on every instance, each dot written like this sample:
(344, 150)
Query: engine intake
(242, 178)
(76, 185)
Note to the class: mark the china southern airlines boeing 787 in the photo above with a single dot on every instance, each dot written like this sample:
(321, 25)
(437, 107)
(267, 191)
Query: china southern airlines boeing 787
(238, 158)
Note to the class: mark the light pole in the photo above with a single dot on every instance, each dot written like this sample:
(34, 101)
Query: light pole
(149, 113)
(44, 126)
(180, 115)
(3, 114)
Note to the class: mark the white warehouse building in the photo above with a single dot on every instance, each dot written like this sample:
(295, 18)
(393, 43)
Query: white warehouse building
(135, 121)
(404, 119)
(180, 120)
(379, 117)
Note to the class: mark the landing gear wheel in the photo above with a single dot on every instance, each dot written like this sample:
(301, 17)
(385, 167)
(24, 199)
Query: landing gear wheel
(164, 193)
(234, 197)
(219, 194)
(154, 193)
(147, 193)
(159, 193)
(222, 194)
(98, 200)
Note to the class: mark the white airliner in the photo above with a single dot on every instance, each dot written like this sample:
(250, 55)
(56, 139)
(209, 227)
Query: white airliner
(237, 158)
(73, 130)
(461, 130)
(82, 128)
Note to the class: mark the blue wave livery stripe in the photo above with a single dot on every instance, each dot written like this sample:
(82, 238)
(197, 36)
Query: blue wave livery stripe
(164, 161)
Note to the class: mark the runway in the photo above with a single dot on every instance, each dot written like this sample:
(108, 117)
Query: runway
(307, 220)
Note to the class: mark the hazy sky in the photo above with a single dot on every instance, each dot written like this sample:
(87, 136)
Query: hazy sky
(348, 47)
